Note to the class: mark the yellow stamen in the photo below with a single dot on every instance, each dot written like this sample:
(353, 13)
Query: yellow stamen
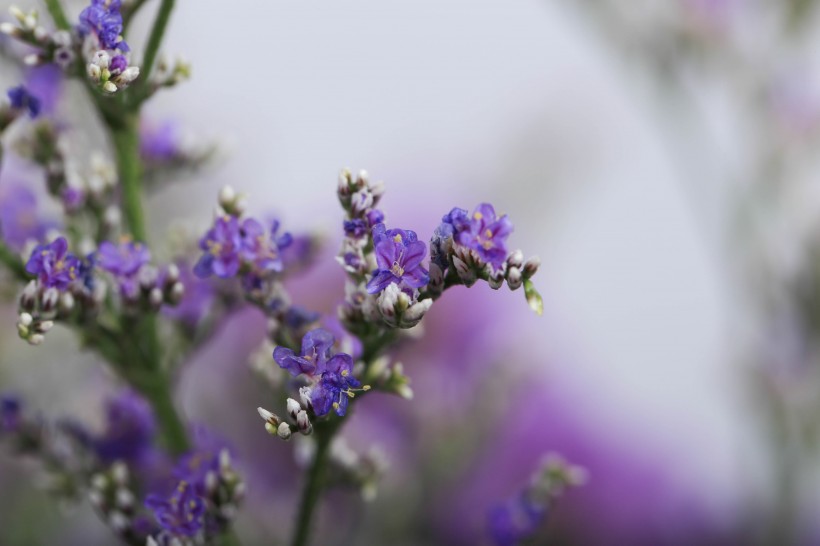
(478, 215)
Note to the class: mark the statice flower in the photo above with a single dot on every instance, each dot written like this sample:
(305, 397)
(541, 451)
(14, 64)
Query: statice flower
(316, 347)
(10, 413)
(19, 222)
(335, 387)
(399, 254)
(21, 99)
(484, 233)
(103, 20)
(232, 245)
(520, 518)
(182, 514)
(516, 520)
(124, 262)
(130, 429)
(53, 265)
(331, 376)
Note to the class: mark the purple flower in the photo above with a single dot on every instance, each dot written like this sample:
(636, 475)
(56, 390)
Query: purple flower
(130, 428)
(183, 514)
(485, 234)
(316, 346)
(10, 413)
(374, 216)
(54, 265)
(516, 520)
(103, 19)
(222, 245)
(261, 249)
(398, 254)
(21, 99)
(159, 143)
(334, 388)
(123, 261)
(451, 222)
(356, 228)
(230, 245)
(19, 222)
(118, 64)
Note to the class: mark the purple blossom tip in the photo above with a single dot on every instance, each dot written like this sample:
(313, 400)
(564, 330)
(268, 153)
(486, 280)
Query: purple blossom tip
(22, 99)
(53, 265)
(399, 254)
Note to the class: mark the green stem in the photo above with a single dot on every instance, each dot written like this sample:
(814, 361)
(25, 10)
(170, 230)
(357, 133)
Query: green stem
(152, 48)
(55, 9)
(126, 143)
(155, 386)
(312, 489)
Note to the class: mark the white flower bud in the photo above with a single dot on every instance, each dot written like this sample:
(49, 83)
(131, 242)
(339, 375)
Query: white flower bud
(268, 417)
(25, 319)
(119, 473)
(211, 482)
(514, 278)
(224, 460)
(109, 87)
(66, 303)
(99, 481)
(531, 267)
(36, 339)
(124, 498)
(130, 74)
(102, 59)
(303, 423)
(415, 313)
(8, 28)
(32, 59)
(61, 38)
(293, 408)
(94, 72)
(227, 196)
(45, 326)
(118, 521)
(40, 33)
(284, 431)
(515, 259)
(465, 272)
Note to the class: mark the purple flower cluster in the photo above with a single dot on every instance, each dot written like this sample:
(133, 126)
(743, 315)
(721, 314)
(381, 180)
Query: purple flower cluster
(130, 429)
(516, 520)
(482, 231)
(333, 374)
(232, 245)
(104, 20)
(19, 222)
(181, 514)
(124, 262)
(53, 265)
(399, 254)
(22, 99)
(10, 413)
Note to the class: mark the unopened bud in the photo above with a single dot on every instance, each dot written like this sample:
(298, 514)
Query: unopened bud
(303, 423)
(531, 267)
(293, 408)
(268, 417)
(25, 319)
(515, 259)
(514, 278)
(49, 301)
(284, 431)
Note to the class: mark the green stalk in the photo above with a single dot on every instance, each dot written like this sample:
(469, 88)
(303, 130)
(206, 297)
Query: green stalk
(312, 489)
(55, 9)
(152, 48)
(126, 144)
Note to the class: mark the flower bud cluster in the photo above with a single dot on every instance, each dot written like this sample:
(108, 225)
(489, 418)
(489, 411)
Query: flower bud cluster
(112, 495)
(387, 376)
(383, 266)
(518, 519)
(110, 71)
(361, 471)
(169, 75)
(467, 247)
(298, 413)
(57, 47)
(224, 490)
